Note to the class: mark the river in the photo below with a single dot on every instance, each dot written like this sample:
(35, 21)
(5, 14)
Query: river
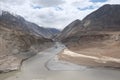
(35, 69)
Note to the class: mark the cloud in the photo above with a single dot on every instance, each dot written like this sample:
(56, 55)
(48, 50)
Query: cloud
(53, 13)
(47, 3)
(13, 2)
(98, 0)
(113, 2)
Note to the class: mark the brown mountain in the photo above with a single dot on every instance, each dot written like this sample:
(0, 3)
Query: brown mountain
(98, 42)
(105, 18)
(20, 39)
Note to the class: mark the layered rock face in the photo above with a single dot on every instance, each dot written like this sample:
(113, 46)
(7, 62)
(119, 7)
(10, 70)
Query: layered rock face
(19, 40)
(98, 42)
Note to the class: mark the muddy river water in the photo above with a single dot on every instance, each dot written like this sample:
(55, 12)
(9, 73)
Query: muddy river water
(35, 69)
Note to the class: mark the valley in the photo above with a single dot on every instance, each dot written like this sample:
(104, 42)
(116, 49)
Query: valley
(86, 49)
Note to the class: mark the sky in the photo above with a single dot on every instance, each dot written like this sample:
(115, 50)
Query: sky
(53, 13)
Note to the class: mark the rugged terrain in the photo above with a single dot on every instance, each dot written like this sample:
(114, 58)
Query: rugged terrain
(19, 40)
(97, 43)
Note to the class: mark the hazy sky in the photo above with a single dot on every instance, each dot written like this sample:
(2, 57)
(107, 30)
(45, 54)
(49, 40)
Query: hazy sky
(53, 13)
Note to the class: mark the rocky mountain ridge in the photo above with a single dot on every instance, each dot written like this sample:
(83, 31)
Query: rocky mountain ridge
(106, 18)
(19, 40)
(23, 25)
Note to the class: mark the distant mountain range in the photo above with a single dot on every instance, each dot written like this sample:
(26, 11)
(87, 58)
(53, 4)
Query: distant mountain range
(19, 23)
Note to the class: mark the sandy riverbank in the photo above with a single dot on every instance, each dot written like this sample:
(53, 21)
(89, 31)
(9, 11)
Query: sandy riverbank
(89, 60)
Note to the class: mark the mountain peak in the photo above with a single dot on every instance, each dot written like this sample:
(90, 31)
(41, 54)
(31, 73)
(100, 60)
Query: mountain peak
(105, 18)
(110, 5)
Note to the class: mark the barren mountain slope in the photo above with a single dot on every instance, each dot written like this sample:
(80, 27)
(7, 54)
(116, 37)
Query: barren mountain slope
(19, 39)
(99, 38)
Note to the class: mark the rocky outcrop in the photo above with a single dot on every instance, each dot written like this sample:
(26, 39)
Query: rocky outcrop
(19, 40)
(98, 38)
